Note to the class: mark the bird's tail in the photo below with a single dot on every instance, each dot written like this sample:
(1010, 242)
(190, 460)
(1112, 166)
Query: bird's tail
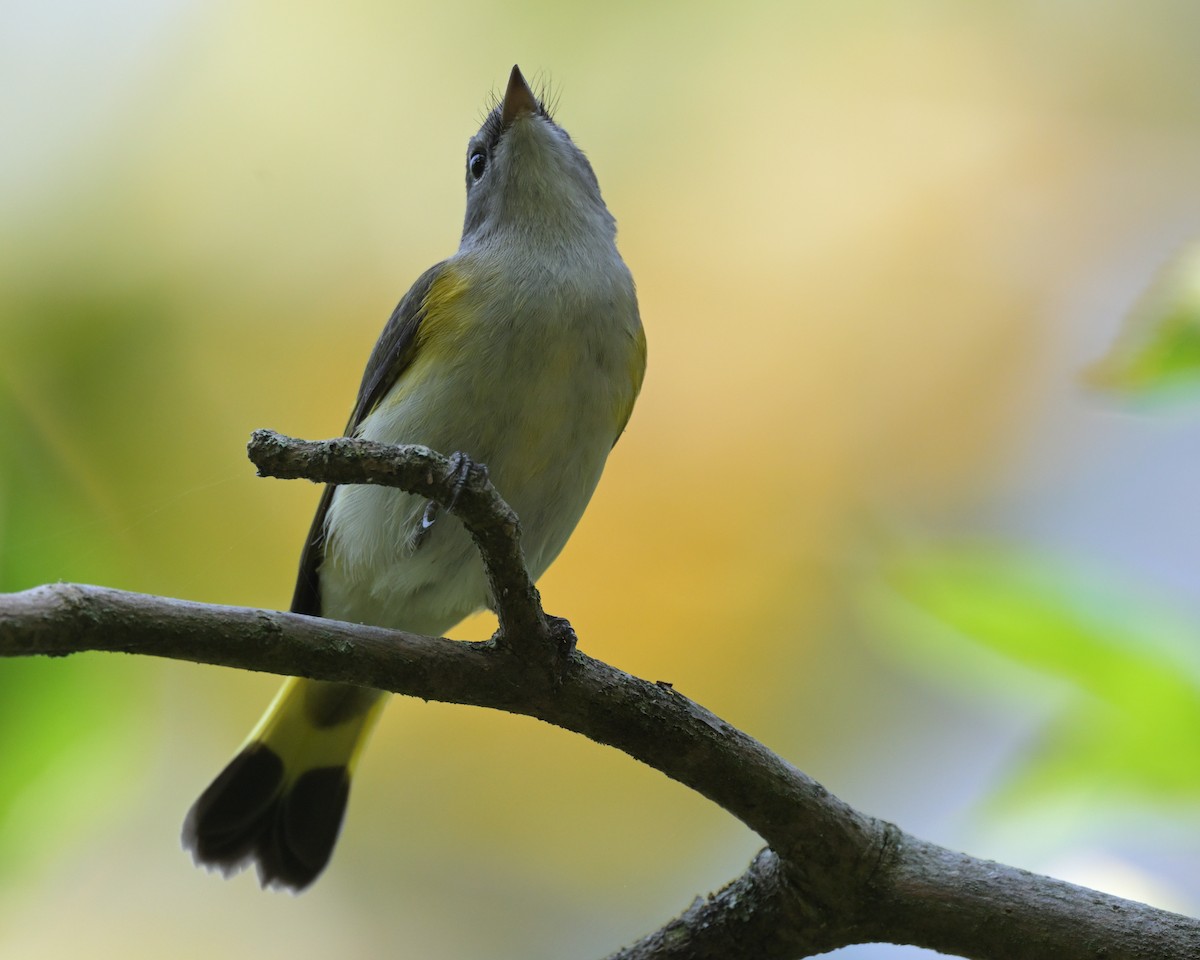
(279, 803)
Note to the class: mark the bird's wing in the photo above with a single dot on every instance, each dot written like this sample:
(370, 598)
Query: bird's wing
(392, 355)
(637, 371)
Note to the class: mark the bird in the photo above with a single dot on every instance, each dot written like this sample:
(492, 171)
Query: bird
(524, 351)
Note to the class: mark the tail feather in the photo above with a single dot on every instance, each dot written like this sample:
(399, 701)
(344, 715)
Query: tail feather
(281, 801)
(304, 829)
(223, 826)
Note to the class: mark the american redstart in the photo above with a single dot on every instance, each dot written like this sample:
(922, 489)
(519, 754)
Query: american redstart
(525, 352)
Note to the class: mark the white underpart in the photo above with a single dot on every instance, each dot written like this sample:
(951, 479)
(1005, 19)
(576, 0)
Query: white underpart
(535, 392)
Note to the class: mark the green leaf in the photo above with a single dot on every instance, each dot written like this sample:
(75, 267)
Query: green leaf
(1157, 354)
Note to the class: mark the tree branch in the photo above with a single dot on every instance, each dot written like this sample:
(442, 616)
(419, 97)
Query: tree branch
(832, 876)
(456, 482)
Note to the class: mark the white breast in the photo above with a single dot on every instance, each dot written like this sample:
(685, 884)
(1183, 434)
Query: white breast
(535, 392)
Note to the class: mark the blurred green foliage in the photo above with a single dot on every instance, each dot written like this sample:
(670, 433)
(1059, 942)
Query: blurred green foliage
(77, 386)
(1128, 729)
(80, 378)
(72, 751)
(1158, 353)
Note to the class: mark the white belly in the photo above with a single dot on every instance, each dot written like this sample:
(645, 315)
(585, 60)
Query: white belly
(538, 402)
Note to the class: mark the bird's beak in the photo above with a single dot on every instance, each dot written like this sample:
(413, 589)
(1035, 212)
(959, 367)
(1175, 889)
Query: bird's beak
(519, 100)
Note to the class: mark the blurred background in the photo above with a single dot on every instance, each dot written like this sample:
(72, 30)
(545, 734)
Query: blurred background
(868, 508)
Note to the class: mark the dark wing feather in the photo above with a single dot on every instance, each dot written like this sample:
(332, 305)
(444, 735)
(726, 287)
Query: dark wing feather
(393, 353)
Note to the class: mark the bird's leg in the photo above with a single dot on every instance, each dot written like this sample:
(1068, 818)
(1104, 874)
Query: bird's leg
(461, 466)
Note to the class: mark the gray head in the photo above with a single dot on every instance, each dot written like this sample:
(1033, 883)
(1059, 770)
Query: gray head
(526, 176)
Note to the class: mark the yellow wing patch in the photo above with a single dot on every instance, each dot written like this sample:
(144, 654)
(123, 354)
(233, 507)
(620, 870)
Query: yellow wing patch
(637, 372)
(445, 323)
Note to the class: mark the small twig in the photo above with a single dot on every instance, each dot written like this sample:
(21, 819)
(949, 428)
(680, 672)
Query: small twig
(471, 497)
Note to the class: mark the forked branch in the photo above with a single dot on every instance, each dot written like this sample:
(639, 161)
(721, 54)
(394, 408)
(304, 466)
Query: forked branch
(831, 876)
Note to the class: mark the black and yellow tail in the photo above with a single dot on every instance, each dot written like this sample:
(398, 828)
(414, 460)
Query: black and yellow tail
(280, 802)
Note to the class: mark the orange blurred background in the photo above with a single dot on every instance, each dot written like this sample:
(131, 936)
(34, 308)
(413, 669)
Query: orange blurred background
(874, 245)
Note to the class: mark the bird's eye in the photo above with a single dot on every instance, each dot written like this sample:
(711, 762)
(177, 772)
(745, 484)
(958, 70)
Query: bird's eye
(477, 164)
